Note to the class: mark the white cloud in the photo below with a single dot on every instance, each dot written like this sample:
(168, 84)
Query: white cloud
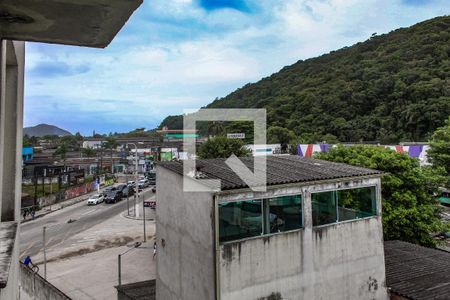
(174, 55)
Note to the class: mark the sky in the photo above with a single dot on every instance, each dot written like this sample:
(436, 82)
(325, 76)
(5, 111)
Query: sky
(181, 54)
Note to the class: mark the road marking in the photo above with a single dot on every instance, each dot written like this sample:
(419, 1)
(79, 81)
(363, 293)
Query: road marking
(88, 212)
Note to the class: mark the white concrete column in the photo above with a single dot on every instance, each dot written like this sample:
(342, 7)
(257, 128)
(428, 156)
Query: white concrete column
(11, 123)
(12, 58)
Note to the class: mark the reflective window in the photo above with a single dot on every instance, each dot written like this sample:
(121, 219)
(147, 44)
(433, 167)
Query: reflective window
(343, 205)
(324, 208)
(356, 203)
(239, 220)
(285, 213)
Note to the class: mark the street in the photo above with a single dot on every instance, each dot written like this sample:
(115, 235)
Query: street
(60, 228)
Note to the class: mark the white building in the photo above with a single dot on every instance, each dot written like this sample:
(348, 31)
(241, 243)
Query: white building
(316, 233)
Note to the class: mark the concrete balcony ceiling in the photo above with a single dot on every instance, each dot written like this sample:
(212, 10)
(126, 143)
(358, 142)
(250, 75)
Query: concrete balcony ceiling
(90, 23)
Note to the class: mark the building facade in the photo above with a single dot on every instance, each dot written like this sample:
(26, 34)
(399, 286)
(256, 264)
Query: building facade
(315, 233)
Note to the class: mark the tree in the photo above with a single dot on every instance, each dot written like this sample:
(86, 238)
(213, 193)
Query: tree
(410, 213)
(222, 147)
(439, 152)
(215, 128)
(280, 135)
(89, 152)
(61, 151)
(111, 143)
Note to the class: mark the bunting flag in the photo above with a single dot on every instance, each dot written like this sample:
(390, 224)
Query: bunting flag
(299, 150)
(416, 151)
(307, 150)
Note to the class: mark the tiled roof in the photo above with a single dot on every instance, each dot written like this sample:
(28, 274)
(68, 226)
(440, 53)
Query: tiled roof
(416, 272)
(282, 169)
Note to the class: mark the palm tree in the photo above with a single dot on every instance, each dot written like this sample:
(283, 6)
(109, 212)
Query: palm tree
(215, 128)
(111, 143)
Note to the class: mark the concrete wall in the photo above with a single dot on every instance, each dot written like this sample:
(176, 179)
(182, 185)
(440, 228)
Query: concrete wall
(12, 58)
(338, 261)
(34, 287)
(185, 240)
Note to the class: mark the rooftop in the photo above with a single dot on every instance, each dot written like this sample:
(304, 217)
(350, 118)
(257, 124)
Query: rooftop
(92, 23)
(284, 169)
(416, 272)
(7, 239)
(144, 290)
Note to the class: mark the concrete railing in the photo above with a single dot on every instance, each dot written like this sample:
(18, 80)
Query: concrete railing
(34, 286)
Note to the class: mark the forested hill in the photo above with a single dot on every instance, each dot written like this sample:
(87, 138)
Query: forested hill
(389, 88)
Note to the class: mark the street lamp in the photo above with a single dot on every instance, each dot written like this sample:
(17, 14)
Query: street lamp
(136, 208)
(119, 260)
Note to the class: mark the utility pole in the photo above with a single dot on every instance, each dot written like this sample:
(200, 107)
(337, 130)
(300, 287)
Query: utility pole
(45, 253)
(119, 258)
(128, 191)
(136, 182)
(143, 215)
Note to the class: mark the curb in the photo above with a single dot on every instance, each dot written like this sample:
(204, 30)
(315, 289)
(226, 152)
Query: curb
(137, 219)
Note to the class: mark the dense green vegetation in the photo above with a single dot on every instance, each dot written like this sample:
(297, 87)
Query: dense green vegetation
(393, 87)
(410, 212)
(221, 147)
(439, 153)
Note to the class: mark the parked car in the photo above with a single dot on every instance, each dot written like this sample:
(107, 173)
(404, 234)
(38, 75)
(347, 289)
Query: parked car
(121, 187)
(95, 199)
(151, 177)
(107, 190)
(113, 197)
(128, 191)
(130, 183)
(143, 183)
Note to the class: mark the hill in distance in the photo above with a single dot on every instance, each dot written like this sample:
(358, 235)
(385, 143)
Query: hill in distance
(44, 129)
(393, 87)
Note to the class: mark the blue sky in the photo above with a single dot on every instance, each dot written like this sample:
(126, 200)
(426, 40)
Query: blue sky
(182, 54)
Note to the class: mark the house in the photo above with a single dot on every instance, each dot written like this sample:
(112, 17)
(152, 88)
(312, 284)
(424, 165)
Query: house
(27, 153)
(415, 272)
(315, 233)
(91, 23)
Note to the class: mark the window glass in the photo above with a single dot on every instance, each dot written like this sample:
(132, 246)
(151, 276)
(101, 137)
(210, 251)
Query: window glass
(324, 208)
(239, 220)
(284, 213)
(356, 203)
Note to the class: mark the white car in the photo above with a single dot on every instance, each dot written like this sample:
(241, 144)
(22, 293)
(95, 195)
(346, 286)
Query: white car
(95, 199)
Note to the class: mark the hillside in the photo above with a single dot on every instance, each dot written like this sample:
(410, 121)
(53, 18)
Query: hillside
(389, 88)
(44, 129)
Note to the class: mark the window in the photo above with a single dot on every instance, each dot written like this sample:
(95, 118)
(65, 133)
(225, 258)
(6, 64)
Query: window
(324, 208)
(343, 205)
(285, 213)
(238, 220)
(356, 203)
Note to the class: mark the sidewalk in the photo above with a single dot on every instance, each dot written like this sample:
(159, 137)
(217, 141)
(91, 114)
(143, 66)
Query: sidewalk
(86, 265)
(57, 206)
(94, 275)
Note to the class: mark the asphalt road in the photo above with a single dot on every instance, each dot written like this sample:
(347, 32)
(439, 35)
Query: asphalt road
(59, 229)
